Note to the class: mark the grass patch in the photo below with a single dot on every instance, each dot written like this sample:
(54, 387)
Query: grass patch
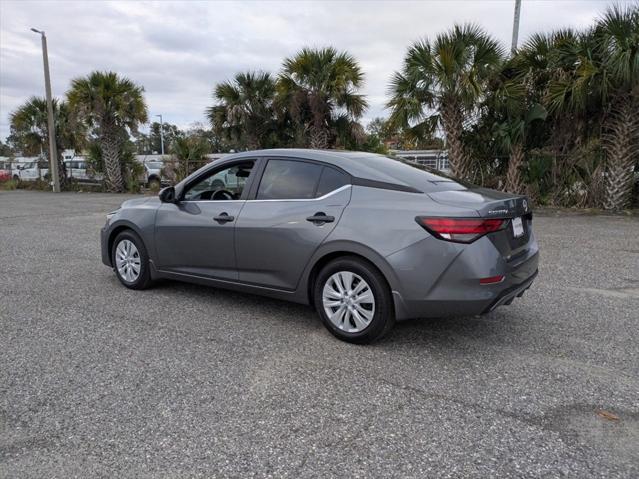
(8, 185)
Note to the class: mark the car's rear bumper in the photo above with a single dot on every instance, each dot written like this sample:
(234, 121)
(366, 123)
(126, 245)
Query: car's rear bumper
(508, 295)
(456, 289)
(460, 307)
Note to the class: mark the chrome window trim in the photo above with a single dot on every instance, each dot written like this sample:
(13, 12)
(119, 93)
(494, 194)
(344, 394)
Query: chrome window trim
(330, 193)
(212, 201)
(327, 195)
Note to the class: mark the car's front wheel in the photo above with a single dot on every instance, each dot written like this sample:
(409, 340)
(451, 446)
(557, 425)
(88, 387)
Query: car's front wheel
(131, 261)
(354, 300)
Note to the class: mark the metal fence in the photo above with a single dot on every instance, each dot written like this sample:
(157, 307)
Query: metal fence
(436, 159)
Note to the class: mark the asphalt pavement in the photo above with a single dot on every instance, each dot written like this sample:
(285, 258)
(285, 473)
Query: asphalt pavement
(187, 381)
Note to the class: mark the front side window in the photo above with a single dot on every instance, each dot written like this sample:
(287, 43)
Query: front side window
(221, 184)
(288, 179)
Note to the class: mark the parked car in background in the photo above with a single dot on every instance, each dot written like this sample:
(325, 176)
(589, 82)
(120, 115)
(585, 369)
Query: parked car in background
(364, 238)
(5, 169)
(30, 169)
(78, 169)
(153, 173)
(229, 179)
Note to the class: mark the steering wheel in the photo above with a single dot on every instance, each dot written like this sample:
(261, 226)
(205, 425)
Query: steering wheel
(222, 195)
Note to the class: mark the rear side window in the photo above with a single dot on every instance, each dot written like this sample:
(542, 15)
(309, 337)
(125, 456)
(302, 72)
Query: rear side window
(330, 180)
(289, 180)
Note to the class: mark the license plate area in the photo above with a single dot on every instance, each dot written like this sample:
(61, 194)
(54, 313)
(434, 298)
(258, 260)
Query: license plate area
(518, 227)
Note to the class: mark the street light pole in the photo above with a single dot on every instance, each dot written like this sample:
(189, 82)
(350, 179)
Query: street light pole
(513, 47)
(161, 134)
(53, 151)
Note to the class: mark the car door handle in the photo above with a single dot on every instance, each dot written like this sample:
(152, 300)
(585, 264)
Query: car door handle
(223, 218)
(320, 217)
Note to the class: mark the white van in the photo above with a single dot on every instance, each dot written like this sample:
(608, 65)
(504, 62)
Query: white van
(77, 168)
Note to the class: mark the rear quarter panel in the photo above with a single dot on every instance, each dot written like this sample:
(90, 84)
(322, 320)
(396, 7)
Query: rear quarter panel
(378, 224)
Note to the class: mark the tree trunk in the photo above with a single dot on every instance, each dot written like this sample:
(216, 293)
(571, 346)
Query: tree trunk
(62, 171)
(111, 156)
(319, 137)
(452, 119)
(621, 144)
(515, 163)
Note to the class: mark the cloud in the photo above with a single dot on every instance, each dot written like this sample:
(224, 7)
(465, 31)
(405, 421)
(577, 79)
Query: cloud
(179, 50)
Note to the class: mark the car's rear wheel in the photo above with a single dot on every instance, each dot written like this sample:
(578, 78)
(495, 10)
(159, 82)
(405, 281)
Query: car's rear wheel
(131, 261)
(353, 300)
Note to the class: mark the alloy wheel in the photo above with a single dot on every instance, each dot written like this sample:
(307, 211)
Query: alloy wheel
(348, 301)
(127, 260)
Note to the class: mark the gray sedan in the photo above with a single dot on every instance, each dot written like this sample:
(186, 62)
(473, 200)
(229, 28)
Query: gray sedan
(364, 238)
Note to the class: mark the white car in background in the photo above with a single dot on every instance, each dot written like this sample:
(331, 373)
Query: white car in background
(153, 173)
(30, 169)
(77, 169)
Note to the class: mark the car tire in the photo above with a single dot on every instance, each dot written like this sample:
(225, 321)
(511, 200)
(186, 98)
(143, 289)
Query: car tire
(154, 183)
(128, 251)
(351, 324)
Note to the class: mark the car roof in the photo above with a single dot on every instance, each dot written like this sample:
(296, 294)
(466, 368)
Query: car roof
(369, 166)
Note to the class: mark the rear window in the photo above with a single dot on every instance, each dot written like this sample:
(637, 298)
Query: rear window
(421, 177)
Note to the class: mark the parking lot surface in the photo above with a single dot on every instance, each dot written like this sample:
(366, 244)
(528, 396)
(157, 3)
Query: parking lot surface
(186, 381)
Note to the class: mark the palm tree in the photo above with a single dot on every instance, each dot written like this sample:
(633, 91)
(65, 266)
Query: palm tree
(319, 87)
(244, 110)
(542, 63)
(442, 82)
(113, 106)
(618, 36)
(597, 78)
(29, 123)
(513, 107)
(189, 155)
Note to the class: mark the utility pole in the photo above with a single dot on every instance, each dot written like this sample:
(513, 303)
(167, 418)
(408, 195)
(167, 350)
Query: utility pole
(53, 150)
(513, 48)
(161, 134)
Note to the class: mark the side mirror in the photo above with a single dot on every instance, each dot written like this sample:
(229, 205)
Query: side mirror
(167, 195)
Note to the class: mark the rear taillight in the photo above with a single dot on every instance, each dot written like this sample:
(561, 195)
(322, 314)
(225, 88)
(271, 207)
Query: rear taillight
(460, 230)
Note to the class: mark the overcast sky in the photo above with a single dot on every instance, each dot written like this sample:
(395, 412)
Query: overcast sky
(179, 50)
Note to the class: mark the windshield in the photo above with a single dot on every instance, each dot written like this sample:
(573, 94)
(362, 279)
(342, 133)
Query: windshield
(154, 165)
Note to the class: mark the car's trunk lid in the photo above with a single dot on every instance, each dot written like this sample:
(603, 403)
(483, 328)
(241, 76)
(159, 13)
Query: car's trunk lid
(487, 203)
(511, 241)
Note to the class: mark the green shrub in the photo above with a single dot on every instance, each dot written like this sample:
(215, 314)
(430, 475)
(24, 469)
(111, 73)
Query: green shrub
(9, 185)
